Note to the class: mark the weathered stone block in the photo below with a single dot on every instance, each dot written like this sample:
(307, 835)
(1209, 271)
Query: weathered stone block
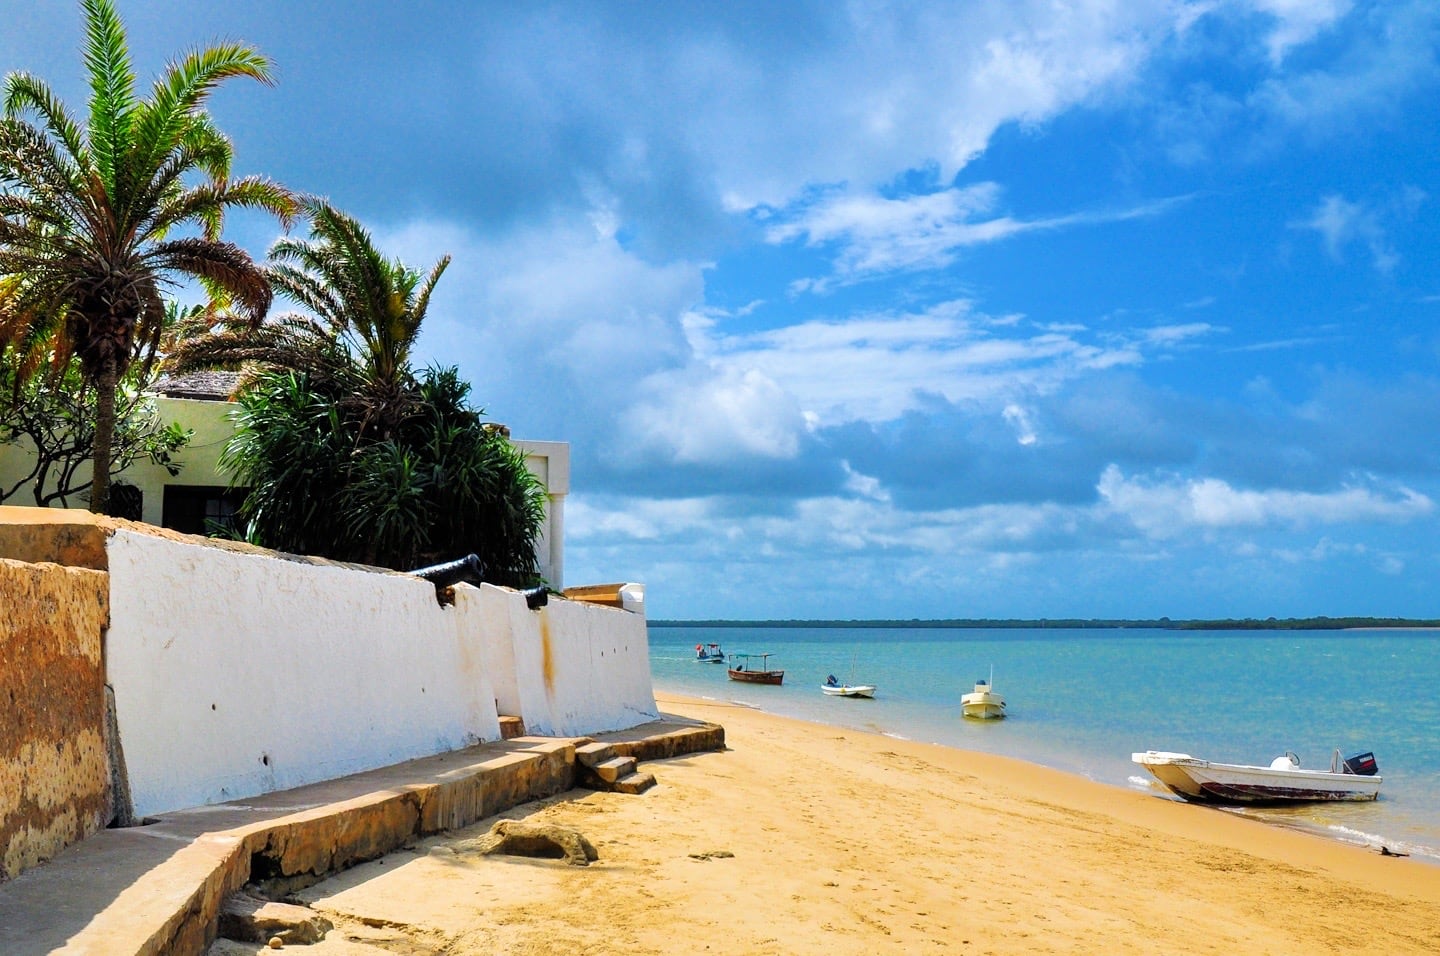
(54, 769)
(249, 920)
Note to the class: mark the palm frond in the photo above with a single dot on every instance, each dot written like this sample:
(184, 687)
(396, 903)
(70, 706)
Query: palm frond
(24, 92)
(223, 263)
(167, 117)
(112, 88)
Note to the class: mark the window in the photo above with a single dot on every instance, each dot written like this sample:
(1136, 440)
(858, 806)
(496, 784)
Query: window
(201, 509)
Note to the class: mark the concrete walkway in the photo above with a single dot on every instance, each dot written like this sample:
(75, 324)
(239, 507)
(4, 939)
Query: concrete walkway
(158, 889)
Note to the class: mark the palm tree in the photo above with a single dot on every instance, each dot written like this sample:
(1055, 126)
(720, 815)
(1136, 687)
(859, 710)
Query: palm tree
(363, 312)
(89, 215)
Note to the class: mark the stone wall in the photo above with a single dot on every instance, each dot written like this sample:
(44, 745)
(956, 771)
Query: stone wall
(54, 772)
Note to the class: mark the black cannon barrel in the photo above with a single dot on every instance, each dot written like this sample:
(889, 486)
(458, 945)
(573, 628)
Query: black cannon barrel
(468, 569)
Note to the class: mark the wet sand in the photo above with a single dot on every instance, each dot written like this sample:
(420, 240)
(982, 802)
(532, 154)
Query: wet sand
(802, 838)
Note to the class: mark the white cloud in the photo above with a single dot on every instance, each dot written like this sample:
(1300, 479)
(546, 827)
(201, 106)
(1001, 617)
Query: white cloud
(698, 416)
(557, 309)
(1019, 419)
(876, 367)
(1341, 223)
(875, 235)
(1388, 55)
(915, 85)
(1172, 335)
(1298, 21)
(1169, 507)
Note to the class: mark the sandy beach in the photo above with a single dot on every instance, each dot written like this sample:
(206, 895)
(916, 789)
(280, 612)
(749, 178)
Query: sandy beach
(802, 838)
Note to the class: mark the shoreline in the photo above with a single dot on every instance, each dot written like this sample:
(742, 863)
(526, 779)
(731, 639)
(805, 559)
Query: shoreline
(803, 838)
(1285, 817)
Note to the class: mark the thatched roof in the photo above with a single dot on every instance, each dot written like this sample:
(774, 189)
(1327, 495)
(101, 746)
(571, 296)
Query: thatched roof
(208, 386)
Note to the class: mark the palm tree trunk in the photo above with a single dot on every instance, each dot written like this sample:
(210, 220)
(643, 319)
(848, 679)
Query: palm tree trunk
(104, 436)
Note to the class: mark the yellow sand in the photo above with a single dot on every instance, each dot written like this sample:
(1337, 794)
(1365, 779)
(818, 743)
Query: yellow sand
(802, 838)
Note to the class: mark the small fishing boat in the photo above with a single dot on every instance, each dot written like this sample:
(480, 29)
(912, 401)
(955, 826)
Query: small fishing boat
(743, 669)
(1205, 781)
(834, 688)
(983, 703)
(709, 654)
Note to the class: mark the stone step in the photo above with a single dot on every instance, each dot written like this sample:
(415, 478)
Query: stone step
(613, 769)
(594, 753)
(511, 727)
(634, 783)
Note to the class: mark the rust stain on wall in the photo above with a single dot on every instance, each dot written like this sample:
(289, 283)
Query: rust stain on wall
(547, 655)
(54, 772)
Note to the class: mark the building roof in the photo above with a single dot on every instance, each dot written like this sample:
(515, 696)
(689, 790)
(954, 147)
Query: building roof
(207, 386)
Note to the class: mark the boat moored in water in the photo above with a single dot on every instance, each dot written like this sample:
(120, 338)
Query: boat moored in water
(742, 668)
(983, 703)
(709, 654)
(1205, 781)
(834, 688)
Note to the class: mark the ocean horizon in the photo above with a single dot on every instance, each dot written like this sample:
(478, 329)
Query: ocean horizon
(1082, 700)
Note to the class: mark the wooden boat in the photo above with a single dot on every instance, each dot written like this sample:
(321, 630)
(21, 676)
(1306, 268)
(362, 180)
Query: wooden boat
(709, 654)
(983, 703)
(1205, 781)
(743, 669)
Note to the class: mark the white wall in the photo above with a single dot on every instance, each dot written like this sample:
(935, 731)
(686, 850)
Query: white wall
(569, 668)
(236, 674)
(239, 673)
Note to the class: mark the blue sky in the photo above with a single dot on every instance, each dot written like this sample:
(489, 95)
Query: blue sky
(855, 310)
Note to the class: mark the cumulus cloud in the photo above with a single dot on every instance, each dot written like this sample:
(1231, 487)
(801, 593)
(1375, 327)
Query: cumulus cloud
(697, 416)
(1169, 507)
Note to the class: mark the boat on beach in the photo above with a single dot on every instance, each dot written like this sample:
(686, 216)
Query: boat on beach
(1205, 781)
(709, 654)
(983, 703)
(743, 669)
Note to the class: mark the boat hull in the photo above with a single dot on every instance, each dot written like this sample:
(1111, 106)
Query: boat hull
(757, 677)
(982, 706)
(848, 690)
(1204, 781)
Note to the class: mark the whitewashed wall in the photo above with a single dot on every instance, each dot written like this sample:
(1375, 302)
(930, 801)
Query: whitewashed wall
(569, 668)
(236, 674)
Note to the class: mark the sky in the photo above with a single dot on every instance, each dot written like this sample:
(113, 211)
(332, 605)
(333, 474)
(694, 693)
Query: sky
(1026, 308)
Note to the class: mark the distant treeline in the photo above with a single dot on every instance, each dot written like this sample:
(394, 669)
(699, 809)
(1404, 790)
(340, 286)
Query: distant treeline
(1164, 623)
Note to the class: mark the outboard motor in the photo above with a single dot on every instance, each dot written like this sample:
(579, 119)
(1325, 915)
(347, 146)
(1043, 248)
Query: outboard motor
(1362, 764)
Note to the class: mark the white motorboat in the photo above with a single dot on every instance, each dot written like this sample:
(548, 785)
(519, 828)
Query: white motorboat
(834, 688)
(1205, 781)
(983, 703)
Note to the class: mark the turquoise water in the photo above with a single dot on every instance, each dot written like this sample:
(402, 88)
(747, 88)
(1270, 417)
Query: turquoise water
(1083, 700)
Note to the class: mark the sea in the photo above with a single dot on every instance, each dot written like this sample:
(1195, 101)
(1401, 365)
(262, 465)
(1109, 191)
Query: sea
(1083, 700)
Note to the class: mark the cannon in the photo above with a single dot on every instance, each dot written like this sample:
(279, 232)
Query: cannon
(468, 569)
(471, 570)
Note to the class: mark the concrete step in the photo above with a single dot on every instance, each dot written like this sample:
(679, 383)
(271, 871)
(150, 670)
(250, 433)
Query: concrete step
(613, 769)
(634, 783)
(593, 754)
